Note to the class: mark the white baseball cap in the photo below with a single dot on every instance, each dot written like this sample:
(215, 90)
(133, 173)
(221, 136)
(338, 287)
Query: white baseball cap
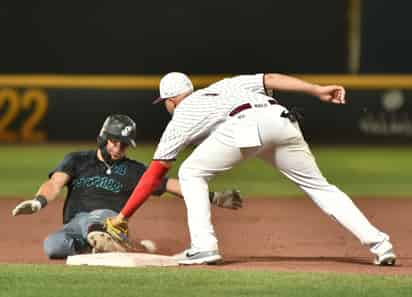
(173, 84)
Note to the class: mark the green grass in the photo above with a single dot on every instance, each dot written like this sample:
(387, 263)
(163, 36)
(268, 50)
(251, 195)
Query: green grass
(359, 171)
(61, 281)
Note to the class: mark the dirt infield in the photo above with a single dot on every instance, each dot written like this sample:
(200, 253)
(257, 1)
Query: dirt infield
(267, 234)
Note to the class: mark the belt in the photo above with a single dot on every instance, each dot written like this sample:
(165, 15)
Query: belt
(245, 106)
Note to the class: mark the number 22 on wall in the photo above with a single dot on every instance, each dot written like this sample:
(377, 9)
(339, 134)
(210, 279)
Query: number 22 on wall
(32, 102)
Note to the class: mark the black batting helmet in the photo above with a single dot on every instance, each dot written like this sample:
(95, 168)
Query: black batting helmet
(118, 127)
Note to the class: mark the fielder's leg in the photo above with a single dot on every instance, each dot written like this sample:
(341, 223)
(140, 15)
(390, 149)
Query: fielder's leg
(297, 163)
(208, 159)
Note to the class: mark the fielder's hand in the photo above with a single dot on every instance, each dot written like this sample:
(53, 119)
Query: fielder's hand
(27, 207)
(226, 199)
(118, 230)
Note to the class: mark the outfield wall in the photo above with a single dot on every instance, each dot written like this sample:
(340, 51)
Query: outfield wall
(38, 108)
(153, 37)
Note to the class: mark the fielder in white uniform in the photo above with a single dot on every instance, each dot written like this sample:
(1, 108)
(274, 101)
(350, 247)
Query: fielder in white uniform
(233, 120)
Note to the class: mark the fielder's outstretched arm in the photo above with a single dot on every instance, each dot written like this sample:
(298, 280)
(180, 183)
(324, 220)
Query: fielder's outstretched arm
(330, 93)
(150, 180)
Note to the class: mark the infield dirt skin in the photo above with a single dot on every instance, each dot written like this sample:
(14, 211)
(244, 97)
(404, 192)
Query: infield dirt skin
(266, 234)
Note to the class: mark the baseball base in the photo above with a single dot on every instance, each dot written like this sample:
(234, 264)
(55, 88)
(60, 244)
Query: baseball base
(121, 260)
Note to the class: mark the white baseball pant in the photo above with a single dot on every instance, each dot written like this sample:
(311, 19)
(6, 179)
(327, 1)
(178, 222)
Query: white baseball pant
(281, 145)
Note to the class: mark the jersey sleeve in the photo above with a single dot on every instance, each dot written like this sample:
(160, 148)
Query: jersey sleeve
(67, 165)
(186, 125)
(171, 143)
(252, 83)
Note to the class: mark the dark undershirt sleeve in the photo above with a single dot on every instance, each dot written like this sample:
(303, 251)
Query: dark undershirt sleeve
(161, 188)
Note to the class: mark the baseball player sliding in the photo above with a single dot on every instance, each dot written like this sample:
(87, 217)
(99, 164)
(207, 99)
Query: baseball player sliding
(99, 182)
(235, 119)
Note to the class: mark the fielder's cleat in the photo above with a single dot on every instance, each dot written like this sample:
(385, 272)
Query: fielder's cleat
(387, 259)
(191, 257)
(102, 242)
(384, 254)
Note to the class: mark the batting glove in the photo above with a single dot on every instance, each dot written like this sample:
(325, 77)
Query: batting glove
(30, 206)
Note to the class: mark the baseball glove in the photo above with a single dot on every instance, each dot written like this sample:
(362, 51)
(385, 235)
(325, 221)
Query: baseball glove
(119, 231)
(227, 199)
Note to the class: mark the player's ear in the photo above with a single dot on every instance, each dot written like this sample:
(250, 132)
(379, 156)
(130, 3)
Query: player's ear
(170, 105)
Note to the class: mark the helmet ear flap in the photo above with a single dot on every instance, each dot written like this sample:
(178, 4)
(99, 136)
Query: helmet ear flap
(101, 140)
